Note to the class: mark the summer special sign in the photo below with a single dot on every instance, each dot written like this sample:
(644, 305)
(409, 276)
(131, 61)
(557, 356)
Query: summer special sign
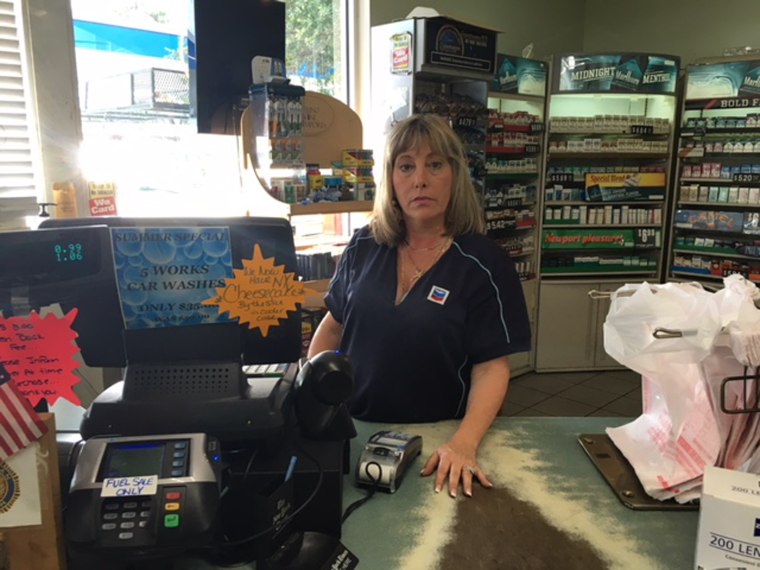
(165, 274)
(620, 73)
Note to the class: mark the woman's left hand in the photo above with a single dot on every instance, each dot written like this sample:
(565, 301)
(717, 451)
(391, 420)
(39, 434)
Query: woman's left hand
(456, 461)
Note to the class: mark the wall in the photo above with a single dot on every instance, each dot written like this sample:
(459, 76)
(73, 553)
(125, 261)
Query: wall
(553, 26)
(691, 29)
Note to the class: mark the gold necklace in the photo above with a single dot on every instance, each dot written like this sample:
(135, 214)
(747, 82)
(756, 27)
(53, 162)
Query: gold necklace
(418, 272)
(431, 248)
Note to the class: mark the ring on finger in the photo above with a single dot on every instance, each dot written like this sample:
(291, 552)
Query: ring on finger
(471, 469)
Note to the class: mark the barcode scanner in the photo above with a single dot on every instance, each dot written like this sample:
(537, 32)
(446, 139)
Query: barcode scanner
(322, 387)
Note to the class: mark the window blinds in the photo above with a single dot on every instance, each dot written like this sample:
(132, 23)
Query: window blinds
(18, 194)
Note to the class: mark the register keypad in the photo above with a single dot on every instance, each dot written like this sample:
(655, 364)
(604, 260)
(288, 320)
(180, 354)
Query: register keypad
(125, 520)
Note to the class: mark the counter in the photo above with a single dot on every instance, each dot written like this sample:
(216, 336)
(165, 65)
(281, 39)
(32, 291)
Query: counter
(549, 508)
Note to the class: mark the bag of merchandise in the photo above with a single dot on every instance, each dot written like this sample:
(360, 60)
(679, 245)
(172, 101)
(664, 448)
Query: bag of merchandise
(663, 332)
(647, 321)
(684, 341)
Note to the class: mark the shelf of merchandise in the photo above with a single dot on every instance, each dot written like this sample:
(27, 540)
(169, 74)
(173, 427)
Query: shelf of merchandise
(409, 75)
(716, 214)
(337, 219)
(609, 142)
(514, 152)
(604, 182)
(320, 208)
(320, 229)
(463, 103)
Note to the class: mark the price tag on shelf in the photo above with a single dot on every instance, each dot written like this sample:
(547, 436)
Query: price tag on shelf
(465, 122)
(536, 127)
(751, 178)
(561, 177)
(642, 130)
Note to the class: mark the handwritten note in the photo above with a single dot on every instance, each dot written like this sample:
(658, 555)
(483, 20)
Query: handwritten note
(39, 353)
(130, 486)
(260, 294)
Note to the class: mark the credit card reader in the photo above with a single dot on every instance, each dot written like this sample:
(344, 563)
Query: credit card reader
(386, 458)
(144, 493)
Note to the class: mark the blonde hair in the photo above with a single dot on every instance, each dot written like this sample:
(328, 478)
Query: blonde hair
(464, 214)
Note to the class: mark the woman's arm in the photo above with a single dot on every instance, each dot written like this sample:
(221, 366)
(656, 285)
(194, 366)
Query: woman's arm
(458, 457)
(327, 336)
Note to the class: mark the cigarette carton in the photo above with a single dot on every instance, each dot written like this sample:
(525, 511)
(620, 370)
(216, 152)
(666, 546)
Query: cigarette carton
(729, 521)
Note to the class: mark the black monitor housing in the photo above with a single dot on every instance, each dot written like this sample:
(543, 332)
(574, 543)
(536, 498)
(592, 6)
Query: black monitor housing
(73, 268)
(224, 37)
(184, 378)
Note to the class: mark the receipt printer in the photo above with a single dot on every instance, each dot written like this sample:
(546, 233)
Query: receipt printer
(146, 494)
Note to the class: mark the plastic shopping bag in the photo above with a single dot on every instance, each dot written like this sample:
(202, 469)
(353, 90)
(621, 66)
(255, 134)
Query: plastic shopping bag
(663, 332)
(685, 341)
(646, 322)
(740, 318)
(669, 453)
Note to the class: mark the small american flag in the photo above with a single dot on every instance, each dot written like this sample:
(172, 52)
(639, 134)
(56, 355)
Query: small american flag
(19, 423)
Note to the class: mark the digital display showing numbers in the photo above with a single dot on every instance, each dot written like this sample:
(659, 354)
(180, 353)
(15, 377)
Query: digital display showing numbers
(69, 252)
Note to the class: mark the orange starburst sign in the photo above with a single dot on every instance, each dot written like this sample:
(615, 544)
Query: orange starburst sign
(260, 294)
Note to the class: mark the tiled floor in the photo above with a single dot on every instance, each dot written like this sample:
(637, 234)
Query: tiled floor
(603, 394)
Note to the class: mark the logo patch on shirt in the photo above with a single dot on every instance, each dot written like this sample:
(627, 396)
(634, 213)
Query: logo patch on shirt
(438, 295)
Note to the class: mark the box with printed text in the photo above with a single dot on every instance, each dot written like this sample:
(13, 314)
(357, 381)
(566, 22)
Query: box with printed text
(729, 521)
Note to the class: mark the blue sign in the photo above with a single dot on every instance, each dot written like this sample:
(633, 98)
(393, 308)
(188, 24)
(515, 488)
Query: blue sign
(620, 73)
(520, 75)
(164, 274)
(718, 80)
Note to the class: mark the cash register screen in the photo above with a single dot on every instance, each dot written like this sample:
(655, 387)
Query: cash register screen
(162, 276)
(72, 268)
(131, 460)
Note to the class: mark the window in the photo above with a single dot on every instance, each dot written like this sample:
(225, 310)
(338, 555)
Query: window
(315, 44)
(18, 190)
(132, 68)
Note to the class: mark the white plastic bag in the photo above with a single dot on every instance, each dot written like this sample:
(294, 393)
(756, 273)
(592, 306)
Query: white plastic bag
(663, 332)
(638, 310)
(740, 318)
(682, 429)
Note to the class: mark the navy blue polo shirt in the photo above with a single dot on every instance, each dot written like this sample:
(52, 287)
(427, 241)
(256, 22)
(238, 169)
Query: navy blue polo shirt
(412, 361)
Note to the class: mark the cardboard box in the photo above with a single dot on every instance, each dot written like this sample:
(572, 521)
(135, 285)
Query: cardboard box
(729, 521)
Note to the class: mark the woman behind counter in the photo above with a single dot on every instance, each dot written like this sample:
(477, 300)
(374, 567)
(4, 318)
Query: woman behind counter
(425, 305)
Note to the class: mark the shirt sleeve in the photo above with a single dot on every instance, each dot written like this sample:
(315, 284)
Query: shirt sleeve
(497, 321)
(335, 300)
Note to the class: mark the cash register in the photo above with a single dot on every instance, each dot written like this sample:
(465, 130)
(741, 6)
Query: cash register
(193, 450)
